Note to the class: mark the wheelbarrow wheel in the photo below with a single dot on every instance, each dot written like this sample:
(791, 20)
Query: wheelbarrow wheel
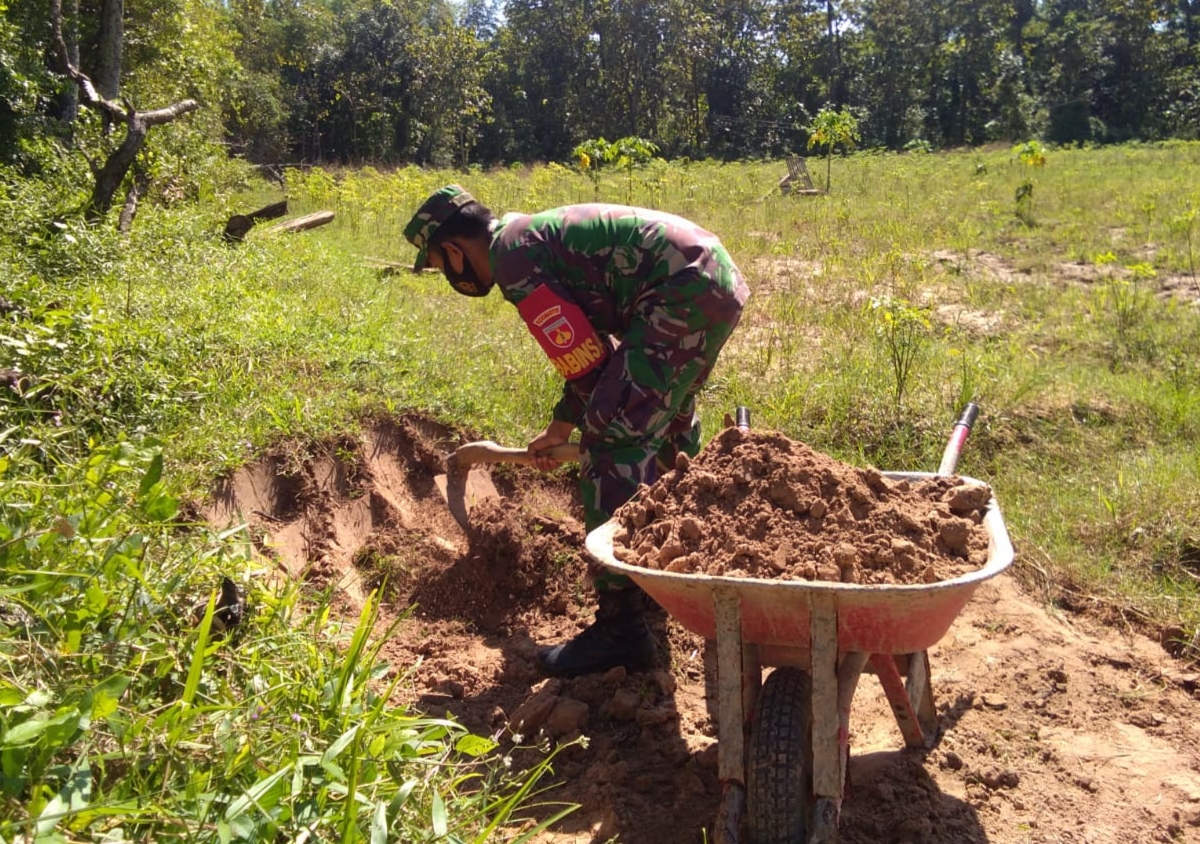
(779, 763)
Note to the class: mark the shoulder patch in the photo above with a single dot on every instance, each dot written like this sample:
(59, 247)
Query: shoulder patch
(563, 331)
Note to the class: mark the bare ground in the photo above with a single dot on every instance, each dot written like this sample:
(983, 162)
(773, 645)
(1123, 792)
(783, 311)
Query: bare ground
(1053, 728)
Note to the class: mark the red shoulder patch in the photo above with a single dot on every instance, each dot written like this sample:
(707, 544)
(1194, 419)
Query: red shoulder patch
(563, 332)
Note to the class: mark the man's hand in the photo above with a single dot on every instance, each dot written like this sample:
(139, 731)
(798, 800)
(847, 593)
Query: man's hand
(556, 433)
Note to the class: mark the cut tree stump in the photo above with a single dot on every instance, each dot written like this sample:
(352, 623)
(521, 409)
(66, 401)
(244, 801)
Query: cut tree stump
(308, 221)
(240, 224)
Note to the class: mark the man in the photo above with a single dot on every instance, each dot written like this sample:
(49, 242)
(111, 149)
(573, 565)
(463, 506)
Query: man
(632, 307)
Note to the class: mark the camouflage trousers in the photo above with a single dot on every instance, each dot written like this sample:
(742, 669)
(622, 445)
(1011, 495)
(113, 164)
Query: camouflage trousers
(642, 412)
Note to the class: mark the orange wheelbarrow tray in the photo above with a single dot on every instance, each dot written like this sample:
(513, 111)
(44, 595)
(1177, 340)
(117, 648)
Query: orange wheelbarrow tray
(823, 636)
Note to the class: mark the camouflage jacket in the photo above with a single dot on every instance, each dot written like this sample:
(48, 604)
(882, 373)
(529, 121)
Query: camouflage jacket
(578, 273)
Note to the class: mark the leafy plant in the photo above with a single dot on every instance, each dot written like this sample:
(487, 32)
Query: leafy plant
(124, 708)
(1125, 297)
(832, 129)
(625, 153)
(903, 330)
(1185, 224)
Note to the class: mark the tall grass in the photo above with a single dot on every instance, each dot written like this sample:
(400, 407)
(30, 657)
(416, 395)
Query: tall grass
(128, 709)
(133, 371)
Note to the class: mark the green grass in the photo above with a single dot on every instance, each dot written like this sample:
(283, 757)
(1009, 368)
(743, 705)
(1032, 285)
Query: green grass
(171, 341)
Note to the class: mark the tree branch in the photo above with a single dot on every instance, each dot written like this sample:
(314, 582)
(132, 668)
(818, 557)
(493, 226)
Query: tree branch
(166, 115)
(87, 88)
(91, 97)
(110, 176)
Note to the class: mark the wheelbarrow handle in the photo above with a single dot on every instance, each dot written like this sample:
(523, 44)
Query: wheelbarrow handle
(958, 437)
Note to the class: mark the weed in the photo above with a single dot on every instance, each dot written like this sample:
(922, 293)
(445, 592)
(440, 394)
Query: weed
(903, 330)
(1185, 225)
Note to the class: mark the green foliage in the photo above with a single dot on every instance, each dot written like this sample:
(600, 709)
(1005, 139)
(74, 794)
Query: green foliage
(903, 331)
(123, 708)
(832, 129)
(1126, 301)
(1184, 226)
(624, 153)
(22, 76)
(442, 83)
(1031, 155)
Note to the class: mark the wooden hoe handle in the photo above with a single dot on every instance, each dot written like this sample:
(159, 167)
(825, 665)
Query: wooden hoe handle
(486, 451)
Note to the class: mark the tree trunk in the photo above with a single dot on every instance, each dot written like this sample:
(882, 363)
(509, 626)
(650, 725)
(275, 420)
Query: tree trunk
(137, 123)
(308, 221)
(70, 98)
(112, 173)
(137, 189)
(109, 49)
(835, 92)
(240, 224)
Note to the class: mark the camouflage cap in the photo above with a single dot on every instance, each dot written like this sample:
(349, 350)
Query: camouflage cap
(440, 207)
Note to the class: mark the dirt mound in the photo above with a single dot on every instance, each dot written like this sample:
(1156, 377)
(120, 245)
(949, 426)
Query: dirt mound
(1052, 729)
(511, 563)
(756, 504)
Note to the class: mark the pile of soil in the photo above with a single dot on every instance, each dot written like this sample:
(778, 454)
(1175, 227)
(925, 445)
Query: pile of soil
(758, 504)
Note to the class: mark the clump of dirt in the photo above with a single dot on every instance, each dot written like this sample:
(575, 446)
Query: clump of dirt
(759, 504)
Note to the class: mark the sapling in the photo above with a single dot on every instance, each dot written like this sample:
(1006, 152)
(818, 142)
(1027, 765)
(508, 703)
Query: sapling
(832, 129)
(1029, 155)
(627, 153)
(1184, 224)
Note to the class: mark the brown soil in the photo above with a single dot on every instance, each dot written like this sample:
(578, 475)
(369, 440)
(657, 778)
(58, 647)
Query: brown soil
(759, 504)
(1053, 728)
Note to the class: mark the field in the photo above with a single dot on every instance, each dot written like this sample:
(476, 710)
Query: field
(180, 410)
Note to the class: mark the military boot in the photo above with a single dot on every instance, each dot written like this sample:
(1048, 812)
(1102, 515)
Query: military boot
(618, 636)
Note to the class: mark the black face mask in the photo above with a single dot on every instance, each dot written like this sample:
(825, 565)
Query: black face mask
(468, 282)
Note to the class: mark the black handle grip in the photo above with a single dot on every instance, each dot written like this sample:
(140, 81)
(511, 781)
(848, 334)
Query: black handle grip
(969, 415)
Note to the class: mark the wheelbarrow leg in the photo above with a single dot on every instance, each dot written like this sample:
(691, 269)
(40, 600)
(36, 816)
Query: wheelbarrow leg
(911, 702)
(739, 676)
(833, 687)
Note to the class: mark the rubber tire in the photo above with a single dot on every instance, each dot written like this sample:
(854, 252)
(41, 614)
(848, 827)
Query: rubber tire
(779, 760)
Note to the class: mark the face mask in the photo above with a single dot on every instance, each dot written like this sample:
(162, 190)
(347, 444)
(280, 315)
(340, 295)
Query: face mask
(468, 282)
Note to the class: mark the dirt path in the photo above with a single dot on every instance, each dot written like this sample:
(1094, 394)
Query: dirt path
(1053, 729)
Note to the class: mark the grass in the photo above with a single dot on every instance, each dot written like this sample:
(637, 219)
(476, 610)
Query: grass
(153, 363)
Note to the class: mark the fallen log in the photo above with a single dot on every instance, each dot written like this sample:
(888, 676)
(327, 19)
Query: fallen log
(308, 221)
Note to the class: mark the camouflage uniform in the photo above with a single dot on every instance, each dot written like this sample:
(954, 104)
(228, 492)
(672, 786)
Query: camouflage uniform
(632, 306)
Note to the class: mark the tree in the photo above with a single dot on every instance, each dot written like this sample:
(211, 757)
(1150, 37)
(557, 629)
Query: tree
(832, 129)
(110, 175)
(549, 92)
(896, 44)
(741, 88)
(23, 81)
(109, 47)
(628, 152)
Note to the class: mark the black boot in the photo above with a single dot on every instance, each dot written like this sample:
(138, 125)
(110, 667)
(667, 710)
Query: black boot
(618, 636)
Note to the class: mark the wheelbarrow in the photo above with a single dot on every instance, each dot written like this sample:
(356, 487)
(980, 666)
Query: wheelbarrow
(783, 744)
